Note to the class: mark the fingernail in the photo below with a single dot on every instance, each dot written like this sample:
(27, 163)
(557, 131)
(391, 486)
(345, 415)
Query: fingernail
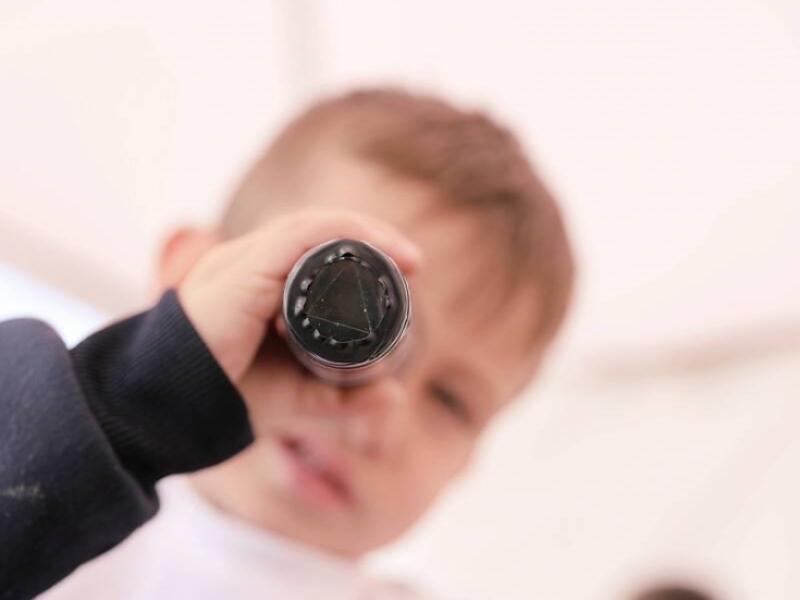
(414, 253)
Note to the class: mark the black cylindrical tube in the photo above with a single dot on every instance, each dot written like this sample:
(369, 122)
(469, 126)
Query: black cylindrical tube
(347, 310)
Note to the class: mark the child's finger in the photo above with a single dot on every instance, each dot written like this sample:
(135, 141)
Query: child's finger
(277, 247)
(280, 326)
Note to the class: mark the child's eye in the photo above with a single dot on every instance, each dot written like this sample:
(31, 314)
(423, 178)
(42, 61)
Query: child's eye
(450, 402)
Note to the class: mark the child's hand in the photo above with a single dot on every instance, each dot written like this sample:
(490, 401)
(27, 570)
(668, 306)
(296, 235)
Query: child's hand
(236, 289)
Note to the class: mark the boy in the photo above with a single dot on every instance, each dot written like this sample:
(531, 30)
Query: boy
(334, 473)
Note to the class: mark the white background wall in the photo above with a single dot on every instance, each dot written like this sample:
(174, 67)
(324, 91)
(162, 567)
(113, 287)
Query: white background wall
(670, 130)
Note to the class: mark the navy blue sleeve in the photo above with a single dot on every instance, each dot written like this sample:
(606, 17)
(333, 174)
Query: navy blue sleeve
(85, 434)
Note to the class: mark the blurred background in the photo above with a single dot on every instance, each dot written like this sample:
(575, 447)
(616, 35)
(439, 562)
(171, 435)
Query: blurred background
(662, 441)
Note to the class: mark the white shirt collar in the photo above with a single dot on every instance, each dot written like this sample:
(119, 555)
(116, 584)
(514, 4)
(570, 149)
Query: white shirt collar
(191, 534)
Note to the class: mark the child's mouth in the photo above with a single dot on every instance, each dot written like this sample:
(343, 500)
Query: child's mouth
(316, 472)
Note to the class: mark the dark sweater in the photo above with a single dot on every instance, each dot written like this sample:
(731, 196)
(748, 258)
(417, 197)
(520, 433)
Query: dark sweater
(85, 434)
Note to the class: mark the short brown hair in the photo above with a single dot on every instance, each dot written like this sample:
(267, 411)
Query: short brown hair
(473, 161)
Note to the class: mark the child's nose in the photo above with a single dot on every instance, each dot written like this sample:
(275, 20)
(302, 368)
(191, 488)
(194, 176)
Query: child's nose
(376, 416)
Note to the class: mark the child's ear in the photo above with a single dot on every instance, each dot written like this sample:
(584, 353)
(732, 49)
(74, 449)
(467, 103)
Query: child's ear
(181, 250)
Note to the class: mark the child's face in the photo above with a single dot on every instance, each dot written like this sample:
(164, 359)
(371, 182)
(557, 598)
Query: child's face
(351, 469)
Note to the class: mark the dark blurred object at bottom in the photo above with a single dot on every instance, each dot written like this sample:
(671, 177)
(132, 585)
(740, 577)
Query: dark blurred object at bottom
(674, 593)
